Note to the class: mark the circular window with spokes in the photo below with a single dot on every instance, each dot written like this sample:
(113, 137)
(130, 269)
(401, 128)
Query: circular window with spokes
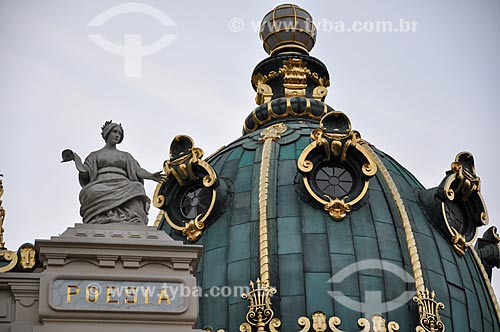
(195, 201)
(334, 180)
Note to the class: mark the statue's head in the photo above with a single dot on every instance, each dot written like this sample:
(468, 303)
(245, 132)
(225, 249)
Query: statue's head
(108, 126)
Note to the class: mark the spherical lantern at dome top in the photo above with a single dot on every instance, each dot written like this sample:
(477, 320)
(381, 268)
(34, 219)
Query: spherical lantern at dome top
(288, 28)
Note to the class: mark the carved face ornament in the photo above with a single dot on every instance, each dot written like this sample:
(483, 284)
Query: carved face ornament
(27, 257)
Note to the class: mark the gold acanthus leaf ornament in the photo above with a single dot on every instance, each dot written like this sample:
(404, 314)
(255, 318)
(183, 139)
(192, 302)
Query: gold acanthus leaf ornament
(290, 66)
(319, 324)
(295, 74)
(337, 208)
(294, 77)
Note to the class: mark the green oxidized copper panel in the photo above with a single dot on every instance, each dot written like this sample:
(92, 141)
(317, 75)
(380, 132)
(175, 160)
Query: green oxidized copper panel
(456, 279)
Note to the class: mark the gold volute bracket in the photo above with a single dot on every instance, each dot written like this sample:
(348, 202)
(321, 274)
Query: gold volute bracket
(184, 157)
(185, 168)
(335, 143)
(462, 180)
(463, 187)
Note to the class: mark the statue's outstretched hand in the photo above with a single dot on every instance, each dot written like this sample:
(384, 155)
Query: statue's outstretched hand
(156, 176)
(68, 155)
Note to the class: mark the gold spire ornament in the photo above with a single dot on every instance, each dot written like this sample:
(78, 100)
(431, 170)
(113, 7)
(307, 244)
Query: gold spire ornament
(260, 313)
(428, 309)
(8, 259)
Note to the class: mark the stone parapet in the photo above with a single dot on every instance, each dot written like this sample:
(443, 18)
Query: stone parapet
(116, 278)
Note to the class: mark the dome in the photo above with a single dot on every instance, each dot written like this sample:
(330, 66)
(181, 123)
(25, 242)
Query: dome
(307, 226)
(307, 246)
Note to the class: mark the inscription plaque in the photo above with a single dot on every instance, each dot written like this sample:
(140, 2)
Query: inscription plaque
(112, 295)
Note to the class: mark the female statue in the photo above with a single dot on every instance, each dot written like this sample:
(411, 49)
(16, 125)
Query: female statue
(112, 182)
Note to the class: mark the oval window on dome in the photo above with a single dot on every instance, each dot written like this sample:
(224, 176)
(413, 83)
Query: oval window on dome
(457, 217)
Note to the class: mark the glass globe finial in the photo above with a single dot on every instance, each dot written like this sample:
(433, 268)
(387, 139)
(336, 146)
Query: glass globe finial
(288, 28)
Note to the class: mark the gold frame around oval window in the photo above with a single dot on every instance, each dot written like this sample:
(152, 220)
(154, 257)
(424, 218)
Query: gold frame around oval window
(335, 144)
(463, 184)
(180, 168)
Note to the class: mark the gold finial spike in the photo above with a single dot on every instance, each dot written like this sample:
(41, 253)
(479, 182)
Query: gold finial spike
(8, 259)
(2, 214)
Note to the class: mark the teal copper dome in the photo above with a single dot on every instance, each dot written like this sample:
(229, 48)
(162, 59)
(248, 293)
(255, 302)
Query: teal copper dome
(306, 226)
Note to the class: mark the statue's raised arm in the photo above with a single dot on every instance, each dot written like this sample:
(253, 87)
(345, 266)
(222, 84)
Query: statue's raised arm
(112, 182)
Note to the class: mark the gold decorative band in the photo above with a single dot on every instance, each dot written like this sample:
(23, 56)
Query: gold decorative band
(410, 239)
(428, 307)
(486, 280)
(260, 314)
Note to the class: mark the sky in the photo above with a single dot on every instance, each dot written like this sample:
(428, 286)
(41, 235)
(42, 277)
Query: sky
(422, 96)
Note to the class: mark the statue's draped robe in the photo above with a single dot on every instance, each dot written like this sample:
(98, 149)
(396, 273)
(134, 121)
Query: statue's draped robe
(113, 193)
